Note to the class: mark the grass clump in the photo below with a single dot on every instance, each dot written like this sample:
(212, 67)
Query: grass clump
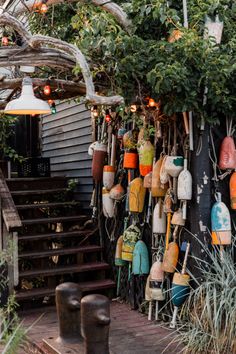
(211, 308)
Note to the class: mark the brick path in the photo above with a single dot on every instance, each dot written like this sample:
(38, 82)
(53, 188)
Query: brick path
(130, 332)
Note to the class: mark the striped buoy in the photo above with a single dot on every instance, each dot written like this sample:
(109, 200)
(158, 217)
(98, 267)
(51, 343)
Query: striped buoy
(99, 156)
(146, 156)
(108, 176)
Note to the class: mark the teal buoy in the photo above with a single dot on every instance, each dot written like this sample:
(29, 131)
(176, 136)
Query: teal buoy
(140, 264)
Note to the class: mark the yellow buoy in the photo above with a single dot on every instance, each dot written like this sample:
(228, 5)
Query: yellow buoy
(136, 195)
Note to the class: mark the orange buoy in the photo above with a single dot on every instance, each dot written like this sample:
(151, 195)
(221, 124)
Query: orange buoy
(117, 192)
(130, 159)
(227, 154)
(99, 155)
(136, 195)
(232, 189)
(157, 190)
(146, 156)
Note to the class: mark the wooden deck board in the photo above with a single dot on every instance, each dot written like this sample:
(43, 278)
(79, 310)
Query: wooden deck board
(143, 337)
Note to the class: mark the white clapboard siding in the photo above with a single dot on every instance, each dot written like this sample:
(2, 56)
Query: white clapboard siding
(66, 137)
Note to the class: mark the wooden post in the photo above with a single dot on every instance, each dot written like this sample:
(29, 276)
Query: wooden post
(199, 217)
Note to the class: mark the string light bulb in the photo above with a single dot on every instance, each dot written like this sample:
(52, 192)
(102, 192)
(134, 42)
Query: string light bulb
(107, 116)
(95, 111)
(133, 108)
(47, 90)
(43, 9)
(151, 102)
(5, 41)
(53, 108)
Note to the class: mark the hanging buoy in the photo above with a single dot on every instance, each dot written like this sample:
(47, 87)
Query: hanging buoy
(99, 155)
(131, 235)
(158, 189)
(130, 159)
(171, 257)
(232, 189)
(184, 189)
(108, 176)
(174, 165)
(146, 156)
(227, 154)
(140, 264)
(156, 281)
(119, 262)
(107, 204)
(220, 223)
(117, 192)
(147, 181)
(164, 177)
(180, 287)
(159, 219)
(177, 218)
(136, 195)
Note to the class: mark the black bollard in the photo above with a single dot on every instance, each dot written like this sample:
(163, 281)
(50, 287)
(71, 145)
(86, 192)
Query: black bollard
(95, 321)
(68, 297)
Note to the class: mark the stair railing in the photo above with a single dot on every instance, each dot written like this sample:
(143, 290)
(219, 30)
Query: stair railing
(10, 223)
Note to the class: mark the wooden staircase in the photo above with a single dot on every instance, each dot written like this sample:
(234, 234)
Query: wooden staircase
(57, 243)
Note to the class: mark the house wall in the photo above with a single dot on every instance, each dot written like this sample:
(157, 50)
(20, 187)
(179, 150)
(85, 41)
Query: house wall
(66, 137)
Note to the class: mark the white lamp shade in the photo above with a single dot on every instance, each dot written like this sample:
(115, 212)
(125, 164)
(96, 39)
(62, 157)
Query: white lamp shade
(27, 103)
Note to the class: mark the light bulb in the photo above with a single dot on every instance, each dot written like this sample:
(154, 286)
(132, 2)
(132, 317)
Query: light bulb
(151, 102)
(47, 90)
(133, 108)
(43, 9)
(5, 41)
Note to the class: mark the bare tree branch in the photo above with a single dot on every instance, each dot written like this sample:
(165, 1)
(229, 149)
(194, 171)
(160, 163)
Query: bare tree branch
(38, 41)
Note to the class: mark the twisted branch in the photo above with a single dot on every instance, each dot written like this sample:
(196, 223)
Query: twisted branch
(38, 41)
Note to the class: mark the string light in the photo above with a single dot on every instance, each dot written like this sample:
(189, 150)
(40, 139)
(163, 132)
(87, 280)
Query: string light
(95, 111)
(133, 108)
(151, 102)
(53, 108)
(47, 90)
(5, 41)
(107, 116)
(43, 9)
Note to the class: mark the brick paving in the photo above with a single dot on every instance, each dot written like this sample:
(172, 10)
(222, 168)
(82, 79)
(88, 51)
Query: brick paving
(130, 332)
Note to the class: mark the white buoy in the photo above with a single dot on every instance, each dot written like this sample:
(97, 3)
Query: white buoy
(159, 219)
(107, 204)
(184, 189)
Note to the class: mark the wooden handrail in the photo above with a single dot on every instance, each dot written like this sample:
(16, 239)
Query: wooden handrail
(9, 212)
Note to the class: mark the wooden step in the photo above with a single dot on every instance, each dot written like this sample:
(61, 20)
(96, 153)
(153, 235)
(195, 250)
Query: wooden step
(53, 235)
(37, 191)
(84, 287)
(76, 268)
(60, 219)
(60, 252)
(16, 184)
(47, 205)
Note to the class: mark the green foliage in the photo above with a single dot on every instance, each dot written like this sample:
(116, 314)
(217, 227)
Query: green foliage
(6, 131)
(145, 63)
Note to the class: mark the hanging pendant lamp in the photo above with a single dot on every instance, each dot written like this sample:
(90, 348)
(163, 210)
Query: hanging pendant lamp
(27, 103)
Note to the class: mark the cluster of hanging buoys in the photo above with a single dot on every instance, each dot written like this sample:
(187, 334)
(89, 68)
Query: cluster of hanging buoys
(165, 177)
